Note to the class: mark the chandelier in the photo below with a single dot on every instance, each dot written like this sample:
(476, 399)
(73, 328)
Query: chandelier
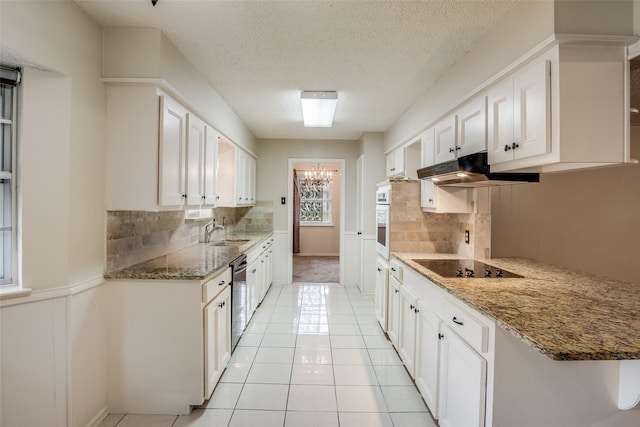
(318, 176)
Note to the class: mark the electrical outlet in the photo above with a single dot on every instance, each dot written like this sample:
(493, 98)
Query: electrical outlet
(466, 236)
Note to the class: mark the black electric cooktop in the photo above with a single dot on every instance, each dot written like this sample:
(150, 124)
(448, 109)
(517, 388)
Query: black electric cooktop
(449, 268)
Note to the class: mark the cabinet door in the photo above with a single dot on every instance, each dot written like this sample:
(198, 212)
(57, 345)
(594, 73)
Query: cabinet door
(396, 162)
(251, 180)
(212, 369)
(427, 357)
(209, 166)
(428, 148)
(252, 290)
(428, 191)
(224, 328)
(531, 110)
(407, 329)
(171, 188)
(195, 155)
(382, 291)
(472, 126)
(393, 300)
(445, 140)
(463, 376)
(500, 122)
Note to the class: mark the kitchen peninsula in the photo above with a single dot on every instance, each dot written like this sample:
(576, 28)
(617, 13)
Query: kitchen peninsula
(581, 335)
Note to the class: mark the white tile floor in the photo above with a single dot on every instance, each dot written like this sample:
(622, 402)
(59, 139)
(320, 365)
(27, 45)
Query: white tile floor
(313, 355)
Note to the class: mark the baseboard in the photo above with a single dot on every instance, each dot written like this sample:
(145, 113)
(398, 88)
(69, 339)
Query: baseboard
(95, 422)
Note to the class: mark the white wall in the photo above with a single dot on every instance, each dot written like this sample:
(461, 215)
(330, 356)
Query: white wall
(52, 343)
(148, 53)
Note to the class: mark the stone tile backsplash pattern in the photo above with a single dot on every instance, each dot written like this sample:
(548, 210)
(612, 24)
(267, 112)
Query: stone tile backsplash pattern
(413, 230)
(137, 236)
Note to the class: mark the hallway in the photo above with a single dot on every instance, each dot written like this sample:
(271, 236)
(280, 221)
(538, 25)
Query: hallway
(312, 355)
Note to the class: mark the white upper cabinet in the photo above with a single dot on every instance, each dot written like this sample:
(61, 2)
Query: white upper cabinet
(428, 148)
(445, 140)
(396, 162)
(195, 160)
(236, 176)
(519, 115)
(159, 154)
(565, 110)
(172, 183)
(472, 126)
(209, 166)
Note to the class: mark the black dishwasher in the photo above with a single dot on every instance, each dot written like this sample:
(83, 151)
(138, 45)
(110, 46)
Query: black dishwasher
(238, 299)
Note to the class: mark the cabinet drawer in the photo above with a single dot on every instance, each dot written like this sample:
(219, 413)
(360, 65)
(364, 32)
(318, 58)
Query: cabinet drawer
(216, 285)
(463, 322)
(395, 269)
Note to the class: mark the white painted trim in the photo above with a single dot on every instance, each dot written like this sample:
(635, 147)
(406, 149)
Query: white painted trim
(53, 293)
(291, 162)
(100, 416)
(317, 254)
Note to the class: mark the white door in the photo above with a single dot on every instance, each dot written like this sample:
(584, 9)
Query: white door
(500, 122)
(531, 111)
(463, 376)
(209, 166)
(472, 126)
(172, 190)
(393, 300)
(445, 139)
(427, 357)
(428, 194)
(195, 155)
(407, 329)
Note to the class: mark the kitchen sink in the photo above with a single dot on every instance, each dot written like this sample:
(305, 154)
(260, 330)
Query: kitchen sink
(230, 242)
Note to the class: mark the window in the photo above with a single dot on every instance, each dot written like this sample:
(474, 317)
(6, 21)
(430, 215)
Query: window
(9, 79)
(315, 202)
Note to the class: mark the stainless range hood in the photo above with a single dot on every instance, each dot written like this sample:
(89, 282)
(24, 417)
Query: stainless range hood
(472, 170)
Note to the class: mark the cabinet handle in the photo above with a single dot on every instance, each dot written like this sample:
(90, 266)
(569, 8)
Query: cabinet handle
(393, 269)
(416, 310)
(184, 196)
(430, 200)
(254, 270)
(451, 150)
(515, 145)
(456, 321)
(221, 304)
(411, 307)
(221, 283)
(458, 148)
(379, 269)
(396, 291)
(507, 147)
(440, 336)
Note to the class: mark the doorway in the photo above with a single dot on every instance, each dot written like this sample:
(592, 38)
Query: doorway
(316, 220)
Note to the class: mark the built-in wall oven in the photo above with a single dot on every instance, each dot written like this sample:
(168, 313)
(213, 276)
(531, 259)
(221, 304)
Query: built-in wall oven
(238, 299)
(383, 201)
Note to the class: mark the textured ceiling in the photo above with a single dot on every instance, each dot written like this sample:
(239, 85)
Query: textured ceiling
(380, 56)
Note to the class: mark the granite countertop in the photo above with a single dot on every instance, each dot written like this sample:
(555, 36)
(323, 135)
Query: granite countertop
(196, 262)
(564, 314)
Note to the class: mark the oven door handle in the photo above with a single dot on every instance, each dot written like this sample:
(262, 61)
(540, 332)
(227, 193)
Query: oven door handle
(240, 267)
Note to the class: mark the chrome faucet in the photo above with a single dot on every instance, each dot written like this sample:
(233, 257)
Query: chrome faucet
(210, 228)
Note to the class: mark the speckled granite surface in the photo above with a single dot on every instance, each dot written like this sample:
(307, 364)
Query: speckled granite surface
(564, 314)
(197, 262)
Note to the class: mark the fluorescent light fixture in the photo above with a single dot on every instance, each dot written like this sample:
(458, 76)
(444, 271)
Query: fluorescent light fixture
(318, 108)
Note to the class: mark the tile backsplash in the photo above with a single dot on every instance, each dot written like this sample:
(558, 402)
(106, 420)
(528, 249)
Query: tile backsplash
(413, 230)
(136, 236)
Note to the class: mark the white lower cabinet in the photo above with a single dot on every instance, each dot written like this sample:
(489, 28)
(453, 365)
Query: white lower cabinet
(407, 329)
(382, 292)
(463, 381)
(217, 333)
(428, 356)
(393, 313)
(443, 344)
